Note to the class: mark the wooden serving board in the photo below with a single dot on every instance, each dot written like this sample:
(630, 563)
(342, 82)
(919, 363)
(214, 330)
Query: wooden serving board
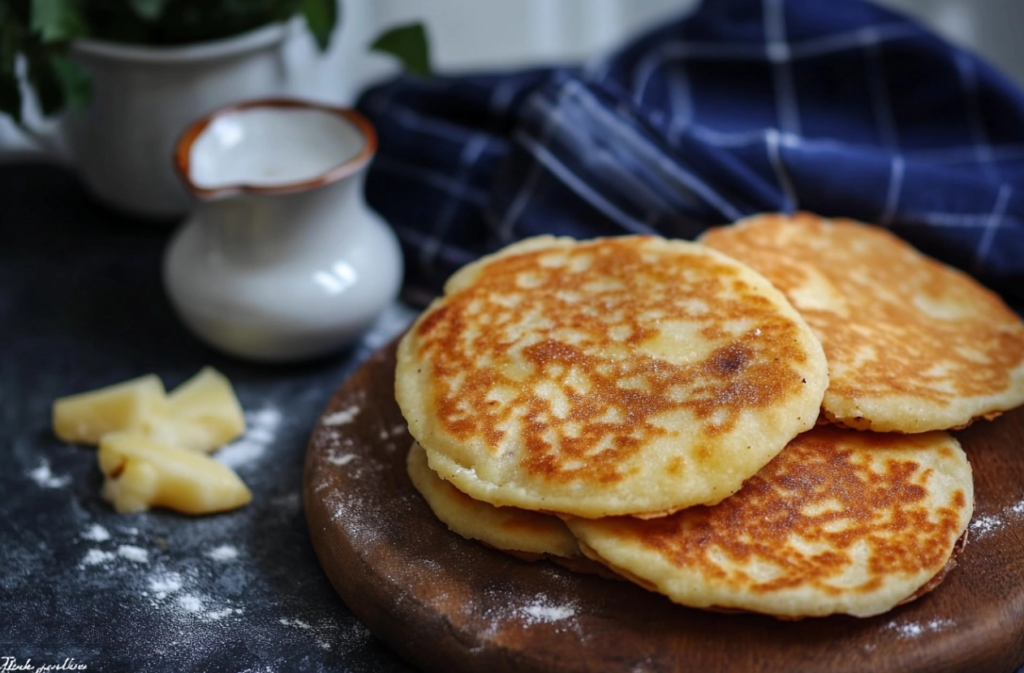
(448, 604)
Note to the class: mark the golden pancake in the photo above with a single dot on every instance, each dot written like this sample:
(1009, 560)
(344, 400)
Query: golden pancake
(629, 375)
(506, 528)
(840, 522)
(912, 345)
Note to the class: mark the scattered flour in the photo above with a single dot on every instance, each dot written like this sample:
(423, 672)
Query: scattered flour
(343, 417)
(541, 611)
(185, 604)
(97, 557)
(340, 459)
(327, 632)
(44, 478)
(165, 584)
(987, 524)
(297, 623)
(1018, 508)
(262, 430)
(217, 615)
(915, 629)
(225, 552)
(387, 434)
(190, 603)
(96, 533)
(133, 553)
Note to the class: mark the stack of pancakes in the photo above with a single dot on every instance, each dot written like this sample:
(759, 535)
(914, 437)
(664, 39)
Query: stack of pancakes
(755, 422)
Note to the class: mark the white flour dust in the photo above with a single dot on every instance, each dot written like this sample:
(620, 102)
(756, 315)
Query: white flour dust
(915, 629)
(327, 633)
(45, 478)
(169, 592)
(542, 611)
(261, 431)
(343, 417)
(984, 525)
(340, 460)
(395, 430)
(101, 557)
(96, 557)
(164, 584)
(190, 603)
(133, 553)
(96, 533)
(225, 552)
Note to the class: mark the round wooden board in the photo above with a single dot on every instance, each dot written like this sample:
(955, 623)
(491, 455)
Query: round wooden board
(447, 604)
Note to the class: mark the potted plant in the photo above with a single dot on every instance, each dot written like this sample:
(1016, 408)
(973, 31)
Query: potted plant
(131, 74)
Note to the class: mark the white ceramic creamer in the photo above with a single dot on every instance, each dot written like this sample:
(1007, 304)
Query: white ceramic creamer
(282, 260)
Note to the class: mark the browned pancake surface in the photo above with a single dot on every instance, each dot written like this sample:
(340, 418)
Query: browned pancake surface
(840, 521)
(913, 345)
(573, 360)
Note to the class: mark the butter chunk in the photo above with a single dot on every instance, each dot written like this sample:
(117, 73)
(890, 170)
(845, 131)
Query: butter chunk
(141, 473)
(207, 403)
(84, 418)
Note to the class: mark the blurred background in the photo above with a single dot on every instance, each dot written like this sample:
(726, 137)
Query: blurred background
(494, 34)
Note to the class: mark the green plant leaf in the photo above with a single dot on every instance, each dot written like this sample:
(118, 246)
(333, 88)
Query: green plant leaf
(321, 18)
(75, 81)
(149, 10)
(409, 44)
(58, 20)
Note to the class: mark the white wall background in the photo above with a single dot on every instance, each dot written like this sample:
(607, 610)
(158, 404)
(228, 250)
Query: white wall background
(489, 34)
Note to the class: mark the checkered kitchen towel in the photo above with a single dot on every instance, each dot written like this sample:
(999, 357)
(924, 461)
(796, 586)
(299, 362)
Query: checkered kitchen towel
(744, 106)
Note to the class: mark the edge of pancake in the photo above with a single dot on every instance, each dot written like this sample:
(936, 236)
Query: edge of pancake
(411, 379)
(709, 586)
(874, 411)
(520, 532)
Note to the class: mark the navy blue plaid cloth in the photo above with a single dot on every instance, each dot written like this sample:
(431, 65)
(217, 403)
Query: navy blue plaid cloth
(744, 106)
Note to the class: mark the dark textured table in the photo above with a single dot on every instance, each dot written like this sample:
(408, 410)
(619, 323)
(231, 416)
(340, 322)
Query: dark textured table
(82, 305)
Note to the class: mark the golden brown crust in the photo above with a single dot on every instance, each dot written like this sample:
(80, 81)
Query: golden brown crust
(913, 345)
(575, 363)
(840, 521)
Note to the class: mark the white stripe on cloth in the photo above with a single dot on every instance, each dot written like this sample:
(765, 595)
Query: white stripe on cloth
(471, 153)
(772, 143)
(744, 51)
(451, 254)
(544, 157)
(434, 126)
(620, 174)
(650, 152)
(976, 124)
(787, 107)
(892, 198)
(881, 105)
(994, 222)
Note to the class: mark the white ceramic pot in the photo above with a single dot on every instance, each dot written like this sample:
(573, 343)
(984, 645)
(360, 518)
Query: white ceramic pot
(282, 260)
(143, 97)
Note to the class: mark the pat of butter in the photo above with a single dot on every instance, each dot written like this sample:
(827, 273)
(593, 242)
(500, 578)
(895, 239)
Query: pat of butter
(201, 414)
(141, 473)
(86, 417)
